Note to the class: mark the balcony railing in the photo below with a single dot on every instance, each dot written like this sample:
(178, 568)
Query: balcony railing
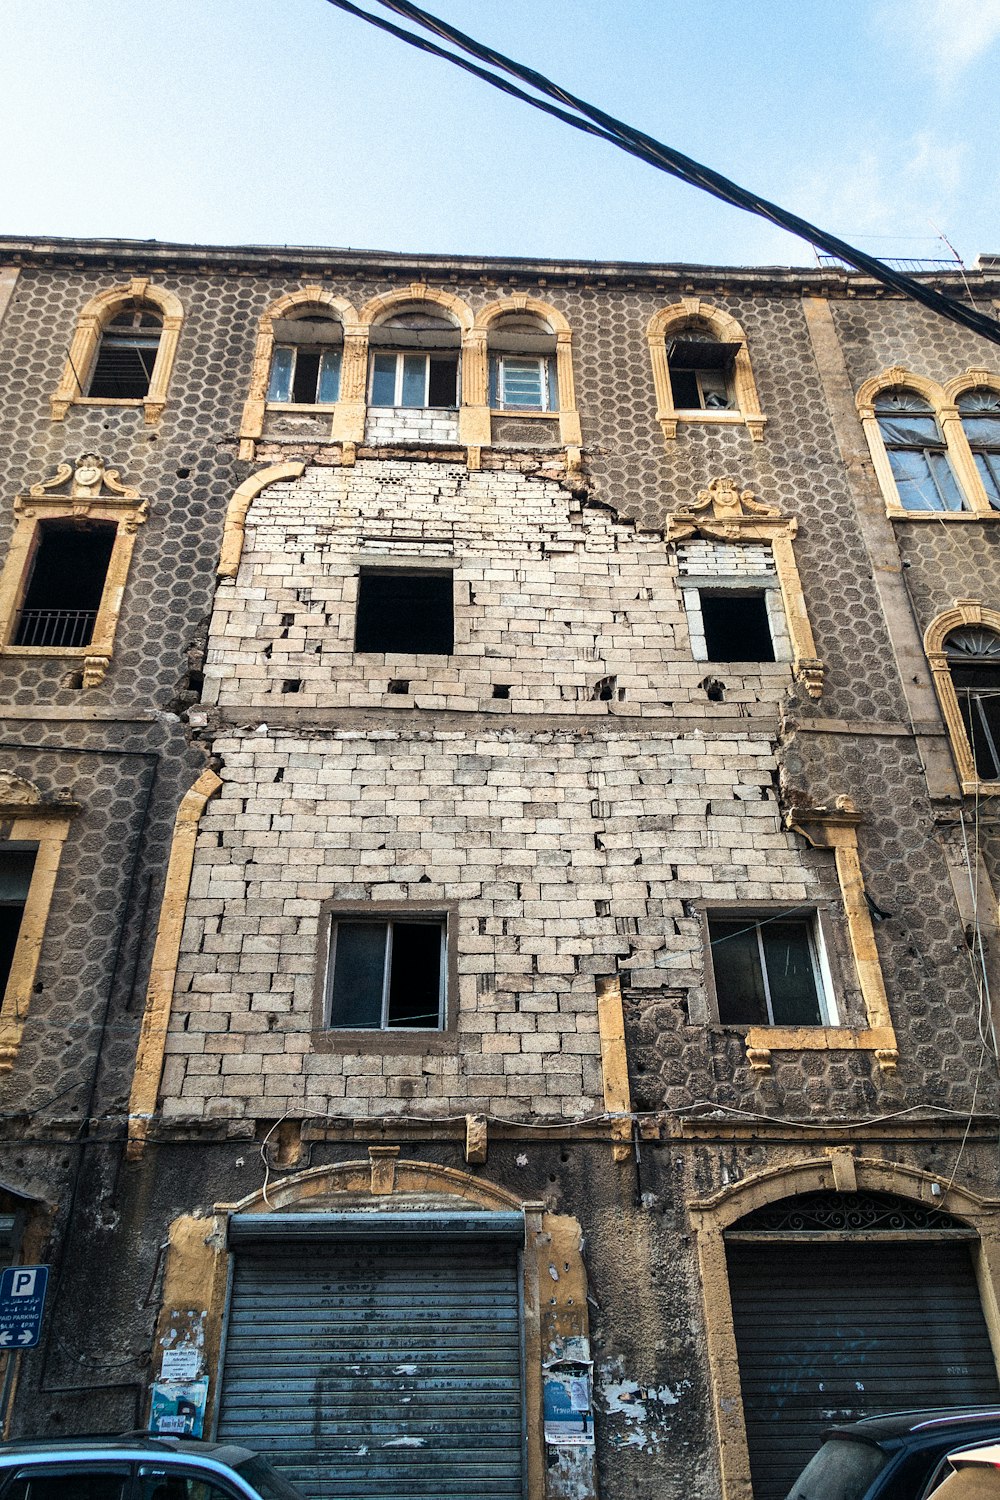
(55, 627)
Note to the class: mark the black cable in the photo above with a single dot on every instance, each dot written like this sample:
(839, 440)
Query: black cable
(664, 158)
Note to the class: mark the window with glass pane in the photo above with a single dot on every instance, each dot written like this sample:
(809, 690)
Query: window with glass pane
(521, 382)
(126, 354)
(974, 662)
(80, 1481)
(386, 976)
(918, 454)
(415, 380)
(306, 376)
(980, 411)
(767, 971)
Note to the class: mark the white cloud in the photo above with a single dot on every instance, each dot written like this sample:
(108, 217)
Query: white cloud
(950, 35)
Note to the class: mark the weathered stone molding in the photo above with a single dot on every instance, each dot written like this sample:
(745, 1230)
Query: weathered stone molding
(236, 513)
(163, 971)
(89, 491)
(674, 319)
(93, 320)
(724, 513)
(963, 612)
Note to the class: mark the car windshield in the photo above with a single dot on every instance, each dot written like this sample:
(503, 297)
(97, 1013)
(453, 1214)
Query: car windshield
(266, 1481)
(841, 1470)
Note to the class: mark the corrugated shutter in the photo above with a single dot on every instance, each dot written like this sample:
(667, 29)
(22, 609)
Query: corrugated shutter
(380, 1368)
(832, 1332)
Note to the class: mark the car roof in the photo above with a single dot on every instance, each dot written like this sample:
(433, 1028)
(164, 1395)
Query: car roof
(128, 1446)
(892, 1427)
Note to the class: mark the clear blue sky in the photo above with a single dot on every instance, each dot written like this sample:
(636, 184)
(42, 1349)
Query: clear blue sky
(289, 122)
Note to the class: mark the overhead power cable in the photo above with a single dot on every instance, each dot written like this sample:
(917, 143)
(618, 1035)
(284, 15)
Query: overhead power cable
(592, 121)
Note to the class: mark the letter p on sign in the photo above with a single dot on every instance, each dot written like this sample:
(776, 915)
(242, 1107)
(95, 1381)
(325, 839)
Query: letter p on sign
(24, 1283)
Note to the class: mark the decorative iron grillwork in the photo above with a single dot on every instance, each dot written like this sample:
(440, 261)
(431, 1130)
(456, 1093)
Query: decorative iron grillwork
(846, 1211)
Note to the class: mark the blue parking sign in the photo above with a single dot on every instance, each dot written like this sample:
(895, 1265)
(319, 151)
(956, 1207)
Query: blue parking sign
(22, 1302)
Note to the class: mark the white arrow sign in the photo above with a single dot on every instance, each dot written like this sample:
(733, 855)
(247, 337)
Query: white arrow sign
(5, 1338)
(24, 1337)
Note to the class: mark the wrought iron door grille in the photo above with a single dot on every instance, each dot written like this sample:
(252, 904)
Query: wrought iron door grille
(55, 627)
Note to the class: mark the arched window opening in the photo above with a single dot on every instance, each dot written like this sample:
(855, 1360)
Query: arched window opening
(414, 362)
(307, 358)
(701, 369)
(126, 355)
(918, 453)
(522, 352)
(973, 656)
(980, 414)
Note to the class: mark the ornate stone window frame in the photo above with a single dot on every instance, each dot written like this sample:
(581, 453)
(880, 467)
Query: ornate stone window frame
(942, 398)
(26, 818)
(838, 1170)
(962, 612)
(724, 513)
(90, 325)
(836, 828)
(673, 319)
(347, 413)
(971, 479)
(89, 492)
(476, 381)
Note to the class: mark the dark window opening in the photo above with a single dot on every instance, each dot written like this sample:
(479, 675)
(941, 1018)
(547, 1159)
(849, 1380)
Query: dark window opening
(386, 975)
(126, 355)
(736, 627)
(405, 612)
(701, 373)
(66, 583)
(304, 376)
(16, 866)
(766, 971)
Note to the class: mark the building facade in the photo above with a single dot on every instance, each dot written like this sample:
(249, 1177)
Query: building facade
(499, 865)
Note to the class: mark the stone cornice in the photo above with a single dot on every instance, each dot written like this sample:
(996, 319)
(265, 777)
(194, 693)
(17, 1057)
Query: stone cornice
(132, 255)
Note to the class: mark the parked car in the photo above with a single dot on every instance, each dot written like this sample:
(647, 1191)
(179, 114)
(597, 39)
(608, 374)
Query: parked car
(137, 1468)
(891, 1457)
(969, 1474)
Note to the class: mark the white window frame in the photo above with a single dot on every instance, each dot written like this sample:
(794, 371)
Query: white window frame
(388, 922)
(546, 376)
(294, 350)
(822, 975)
(399, 355)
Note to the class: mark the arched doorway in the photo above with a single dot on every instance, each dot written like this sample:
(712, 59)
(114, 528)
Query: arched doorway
(846, 1304)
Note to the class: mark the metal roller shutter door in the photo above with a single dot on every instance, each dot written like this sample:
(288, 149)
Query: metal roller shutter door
(379, 1368)
(832, 1332)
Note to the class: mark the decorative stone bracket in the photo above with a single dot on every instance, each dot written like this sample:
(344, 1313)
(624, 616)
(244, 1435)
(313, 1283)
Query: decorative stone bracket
(724, 513)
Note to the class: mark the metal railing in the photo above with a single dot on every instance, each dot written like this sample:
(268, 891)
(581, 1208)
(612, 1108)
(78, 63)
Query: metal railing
(55, 627)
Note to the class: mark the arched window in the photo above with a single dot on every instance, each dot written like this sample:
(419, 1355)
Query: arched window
(122, 350)
(973, 656)
(522, 355)
(126, 354)
(701, 368)
(980, 414)
(917, 451)
(306, 358)
(415, 360)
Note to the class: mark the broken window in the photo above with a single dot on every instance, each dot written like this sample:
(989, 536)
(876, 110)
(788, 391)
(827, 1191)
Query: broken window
(918, 453)
(736, 626)
(980, 413)
(405, 612)
(127, 353)
(387, 975)
(419, 367)
(305, 364)
(17, 862)
(973, 657)
(769, 970)
(522, 353)
(701, 372)
(65, 583)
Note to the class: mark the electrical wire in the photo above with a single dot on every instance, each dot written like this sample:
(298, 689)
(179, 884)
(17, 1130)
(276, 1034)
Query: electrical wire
(593, 121)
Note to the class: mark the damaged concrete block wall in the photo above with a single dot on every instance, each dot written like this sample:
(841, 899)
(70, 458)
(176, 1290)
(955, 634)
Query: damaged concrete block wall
(517, 873)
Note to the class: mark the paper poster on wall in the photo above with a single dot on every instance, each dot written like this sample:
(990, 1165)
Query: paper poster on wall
(569, 1419)
(178, 1407)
